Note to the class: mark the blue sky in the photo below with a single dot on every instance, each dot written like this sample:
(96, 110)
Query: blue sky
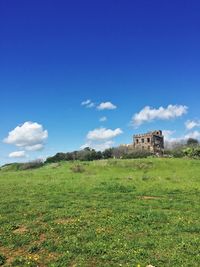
(56, 54)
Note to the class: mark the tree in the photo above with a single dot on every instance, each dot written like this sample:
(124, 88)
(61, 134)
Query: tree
(88, 154)
(108, 153)
(192, 142)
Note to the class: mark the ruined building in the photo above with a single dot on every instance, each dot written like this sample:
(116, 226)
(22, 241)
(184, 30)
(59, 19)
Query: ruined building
(152, 141)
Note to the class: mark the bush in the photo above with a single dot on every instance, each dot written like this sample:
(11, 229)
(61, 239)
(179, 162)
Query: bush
(118, 188)
(61, 157)
(196, 152)
(11, 167)
(108, 153)
(2, 259)
(178, 153)
(192, 142)
(31, 165)
(88, 154)
(77, 168)
(192, 152)
(189, 151)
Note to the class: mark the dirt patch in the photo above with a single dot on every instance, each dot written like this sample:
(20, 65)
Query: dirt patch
(149, 197)
(20, 230)
(42, 238)
(11, 254)
(52, 256)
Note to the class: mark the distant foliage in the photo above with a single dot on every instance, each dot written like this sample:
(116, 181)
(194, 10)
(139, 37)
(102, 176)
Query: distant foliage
(192, 152)
(88, 154)
(108, 153)
(61, 156)
(191, 149)
(10, 167)
(177, 153)
(192, 142)
(22, 166)
(31, 165)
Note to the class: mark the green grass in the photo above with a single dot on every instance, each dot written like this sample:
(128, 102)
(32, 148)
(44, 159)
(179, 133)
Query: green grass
(103, 213)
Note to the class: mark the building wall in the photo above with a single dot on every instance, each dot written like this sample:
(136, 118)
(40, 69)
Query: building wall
(153, 141)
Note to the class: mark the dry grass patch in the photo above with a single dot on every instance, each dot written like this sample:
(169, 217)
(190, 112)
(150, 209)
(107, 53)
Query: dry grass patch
(66, 221)
(20, 230)
(149, 197)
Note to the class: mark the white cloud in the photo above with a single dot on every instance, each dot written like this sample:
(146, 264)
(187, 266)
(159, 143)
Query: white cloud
(171, 141)
(170, 138)
(102, 119)
(91, 105)
(17, 154)
(103, 134)
(99, 146)
(106, 105)
(168, 134)
(190, 124)
(37, 147)
(101, 138)
(148, 114)
(102, 106)
(88, 103)
(194, 135)
(29, 136)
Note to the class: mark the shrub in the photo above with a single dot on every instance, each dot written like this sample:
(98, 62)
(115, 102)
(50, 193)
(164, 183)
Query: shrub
(11, 167)
(31, 165)
(186, 151)
(2, 259)
(196, 152)
(192, 152)
(88, 154)
(192, 142)
(61, 157)
(119, 188)
(77, 168)
(108, 153)
(178, 153)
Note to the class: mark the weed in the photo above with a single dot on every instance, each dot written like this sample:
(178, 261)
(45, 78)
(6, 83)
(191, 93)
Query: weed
(2, 259)
(77, 168)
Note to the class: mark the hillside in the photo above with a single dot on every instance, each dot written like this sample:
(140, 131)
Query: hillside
(101, 213)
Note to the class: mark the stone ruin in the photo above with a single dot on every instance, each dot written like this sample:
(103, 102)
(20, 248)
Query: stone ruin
(152, 142)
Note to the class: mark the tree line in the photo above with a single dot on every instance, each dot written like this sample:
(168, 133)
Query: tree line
(89, 154)
(189, 149)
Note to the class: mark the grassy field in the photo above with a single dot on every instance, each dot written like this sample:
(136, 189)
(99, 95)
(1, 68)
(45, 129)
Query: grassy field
(104, 213)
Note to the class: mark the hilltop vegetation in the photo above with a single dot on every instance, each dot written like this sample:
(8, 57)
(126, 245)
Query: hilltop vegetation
(189, 150)
(22, 166)
(101, 213)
